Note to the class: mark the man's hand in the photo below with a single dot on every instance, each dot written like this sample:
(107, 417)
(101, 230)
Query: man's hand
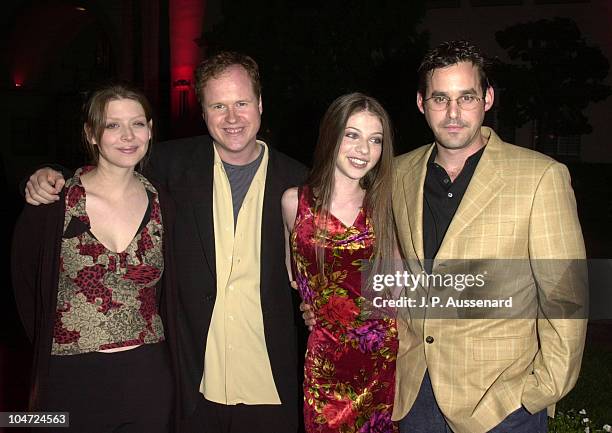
(44, 186)
(308, 315)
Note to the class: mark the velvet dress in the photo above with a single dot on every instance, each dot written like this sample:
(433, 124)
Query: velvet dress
(349, 370)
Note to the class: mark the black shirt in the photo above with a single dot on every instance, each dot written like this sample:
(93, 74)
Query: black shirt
(441, 199)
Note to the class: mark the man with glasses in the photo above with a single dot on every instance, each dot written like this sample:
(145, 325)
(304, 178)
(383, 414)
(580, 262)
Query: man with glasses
(470, 198)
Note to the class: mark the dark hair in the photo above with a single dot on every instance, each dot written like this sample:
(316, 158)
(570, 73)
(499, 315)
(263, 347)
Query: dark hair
(451, 53)
(214, 66)
(377, 182)
(94, 114)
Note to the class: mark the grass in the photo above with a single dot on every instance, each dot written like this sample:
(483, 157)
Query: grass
(591, 399)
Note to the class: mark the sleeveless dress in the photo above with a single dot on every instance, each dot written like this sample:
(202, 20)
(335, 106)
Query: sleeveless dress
(349, 371)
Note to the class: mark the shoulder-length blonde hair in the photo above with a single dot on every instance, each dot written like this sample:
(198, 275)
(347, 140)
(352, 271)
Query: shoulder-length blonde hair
(377, 182)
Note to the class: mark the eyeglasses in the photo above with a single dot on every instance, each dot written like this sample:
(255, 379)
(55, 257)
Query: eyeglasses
(440, 102)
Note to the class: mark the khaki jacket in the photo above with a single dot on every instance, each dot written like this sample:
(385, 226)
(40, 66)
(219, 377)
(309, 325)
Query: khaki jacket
(519, 206)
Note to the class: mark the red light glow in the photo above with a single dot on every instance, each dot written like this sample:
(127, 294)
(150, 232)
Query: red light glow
(186, 17)
(30, 52)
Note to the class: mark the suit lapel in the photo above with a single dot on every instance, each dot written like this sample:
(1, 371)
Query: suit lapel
(271, 223)
(484, 186)
(413, 196)
(203, 207)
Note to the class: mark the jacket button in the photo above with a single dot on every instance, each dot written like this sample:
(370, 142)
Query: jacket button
(429, 339)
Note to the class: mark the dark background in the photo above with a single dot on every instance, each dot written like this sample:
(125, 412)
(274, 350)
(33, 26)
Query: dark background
(550, 61)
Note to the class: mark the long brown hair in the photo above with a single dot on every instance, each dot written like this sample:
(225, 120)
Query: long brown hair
(377, 182)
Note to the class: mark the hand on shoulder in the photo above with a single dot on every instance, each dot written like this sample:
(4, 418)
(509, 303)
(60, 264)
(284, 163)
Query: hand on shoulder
(44, 186)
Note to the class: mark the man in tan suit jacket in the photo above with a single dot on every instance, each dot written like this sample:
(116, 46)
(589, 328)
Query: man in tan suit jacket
(470, 197)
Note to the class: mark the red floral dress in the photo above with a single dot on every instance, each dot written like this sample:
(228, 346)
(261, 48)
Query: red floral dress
(349, 372)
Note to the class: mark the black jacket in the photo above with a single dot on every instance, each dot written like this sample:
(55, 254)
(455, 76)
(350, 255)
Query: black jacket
(185, 168)
(35, 258)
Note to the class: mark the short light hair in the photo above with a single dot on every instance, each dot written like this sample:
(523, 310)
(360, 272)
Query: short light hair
(214, 66)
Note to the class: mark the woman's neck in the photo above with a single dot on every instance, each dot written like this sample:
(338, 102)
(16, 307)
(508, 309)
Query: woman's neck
(110, 181)
(347, 191)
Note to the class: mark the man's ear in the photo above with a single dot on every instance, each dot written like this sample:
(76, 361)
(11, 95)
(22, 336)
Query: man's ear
(419, 102)
(260, 106)
(489, 98)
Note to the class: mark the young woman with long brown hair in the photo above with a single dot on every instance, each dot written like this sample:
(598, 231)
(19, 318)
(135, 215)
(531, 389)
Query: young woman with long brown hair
(339, 230)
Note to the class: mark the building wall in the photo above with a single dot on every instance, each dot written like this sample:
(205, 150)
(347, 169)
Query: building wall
(454, 19)
(48, 70)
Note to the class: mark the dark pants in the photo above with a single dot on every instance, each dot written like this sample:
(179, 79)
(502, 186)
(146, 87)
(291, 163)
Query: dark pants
(212, 417)
(123, 392)
(425, 417)
(521, 421)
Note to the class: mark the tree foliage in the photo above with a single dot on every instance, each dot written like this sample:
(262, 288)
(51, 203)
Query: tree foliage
(554, 76)
(312, 52)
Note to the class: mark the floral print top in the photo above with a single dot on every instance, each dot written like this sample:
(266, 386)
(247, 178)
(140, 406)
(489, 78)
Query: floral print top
(349, 371)
(107, 300)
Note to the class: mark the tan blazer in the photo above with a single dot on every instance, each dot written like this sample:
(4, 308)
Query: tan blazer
(518, 205)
